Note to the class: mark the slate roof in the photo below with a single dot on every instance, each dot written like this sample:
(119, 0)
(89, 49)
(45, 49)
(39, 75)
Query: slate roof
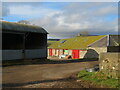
(103, 42)
(79, 42)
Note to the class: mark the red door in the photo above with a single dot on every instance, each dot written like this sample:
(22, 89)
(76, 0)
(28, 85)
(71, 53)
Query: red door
(75, 54)
(50, 52)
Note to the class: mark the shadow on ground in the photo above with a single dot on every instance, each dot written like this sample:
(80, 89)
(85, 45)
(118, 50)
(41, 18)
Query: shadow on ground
(11, 85)
(44, 61)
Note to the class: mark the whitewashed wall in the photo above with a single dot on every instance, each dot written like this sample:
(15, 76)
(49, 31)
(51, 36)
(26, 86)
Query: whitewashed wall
(69, 52)
(82, 53)
(53, 52)
(48, 52)
(61, 51)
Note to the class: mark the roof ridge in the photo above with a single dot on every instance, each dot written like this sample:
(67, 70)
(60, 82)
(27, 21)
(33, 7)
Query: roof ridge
(21, 24)
(12, 26)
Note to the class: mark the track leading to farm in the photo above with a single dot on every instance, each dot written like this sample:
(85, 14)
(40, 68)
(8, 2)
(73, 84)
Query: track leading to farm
(25, 75)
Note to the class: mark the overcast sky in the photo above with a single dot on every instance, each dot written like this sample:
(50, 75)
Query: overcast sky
(65, 19)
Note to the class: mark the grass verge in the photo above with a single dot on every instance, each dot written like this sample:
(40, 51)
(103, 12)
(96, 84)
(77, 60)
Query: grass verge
(99, 78)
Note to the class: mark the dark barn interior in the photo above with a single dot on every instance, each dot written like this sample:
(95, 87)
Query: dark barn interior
(12, 41)
(16, 41)
(35, 41)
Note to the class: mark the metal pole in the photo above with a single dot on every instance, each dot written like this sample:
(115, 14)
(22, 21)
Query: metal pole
(23, 46)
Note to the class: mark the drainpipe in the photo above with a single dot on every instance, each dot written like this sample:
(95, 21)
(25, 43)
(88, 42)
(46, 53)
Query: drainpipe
(23, 47)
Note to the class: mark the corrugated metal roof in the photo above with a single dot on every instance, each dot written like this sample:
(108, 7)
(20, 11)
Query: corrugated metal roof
(10, 26)
(114, 40)
(80, 42)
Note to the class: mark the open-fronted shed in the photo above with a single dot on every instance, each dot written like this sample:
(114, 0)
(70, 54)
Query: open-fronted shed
(22, 41)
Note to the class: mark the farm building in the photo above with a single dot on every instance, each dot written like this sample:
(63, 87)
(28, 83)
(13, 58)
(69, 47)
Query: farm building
(81, 46)
(22, 41)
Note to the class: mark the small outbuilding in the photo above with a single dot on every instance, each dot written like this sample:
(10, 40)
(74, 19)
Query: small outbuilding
(22, 41)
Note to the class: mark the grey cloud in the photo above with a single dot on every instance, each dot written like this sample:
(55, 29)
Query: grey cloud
(65, 23)
(5, 11)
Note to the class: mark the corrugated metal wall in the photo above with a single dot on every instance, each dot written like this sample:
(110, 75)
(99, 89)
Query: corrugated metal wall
(29, 54)
(36, 53)
(12, 54)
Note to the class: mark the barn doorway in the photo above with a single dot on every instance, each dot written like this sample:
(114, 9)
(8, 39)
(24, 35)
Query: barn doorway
(50, 52)
(75, 54)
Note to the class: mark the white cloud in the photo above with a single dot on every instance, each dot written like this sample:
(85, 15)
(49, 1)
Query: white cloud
(27, 10)
(72, 18)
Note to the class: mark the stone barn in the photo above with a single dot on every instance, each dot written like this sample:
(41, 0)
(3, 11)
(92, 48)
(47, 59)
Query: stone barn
(22, 41)
(80, 46)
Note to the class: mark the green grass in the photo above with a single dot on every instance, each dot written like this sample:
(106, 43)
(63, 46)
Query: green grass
(99, 78)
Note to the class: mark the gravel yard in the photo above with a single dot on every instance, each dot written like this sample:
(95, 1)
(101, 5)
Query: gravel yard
(48, 75)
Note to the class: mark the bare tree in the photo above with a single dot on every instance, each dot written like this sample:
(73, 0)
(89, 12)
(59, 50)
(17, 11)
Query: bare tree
(24, 22)
(83, 33)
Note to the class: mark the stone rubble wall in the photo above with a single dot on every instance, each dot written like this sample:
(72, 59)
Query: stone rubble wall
(109, 64)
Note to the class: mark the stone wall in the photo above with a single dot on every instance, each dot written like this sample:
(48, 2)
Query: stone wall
(109, 64)
(113, 49)
(93, 52)
(99, 49)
